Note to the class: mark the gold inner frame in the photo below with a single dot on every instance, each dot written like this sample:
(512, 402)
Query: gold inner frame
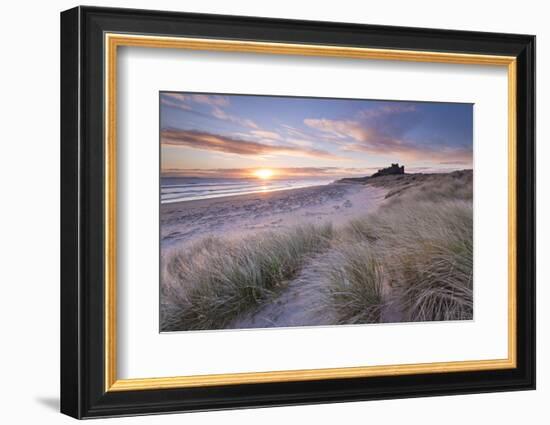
(113, 41)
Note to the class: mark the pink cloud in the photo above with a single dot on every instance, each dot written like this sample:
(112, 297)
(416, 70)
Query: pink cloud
(266, 134)
(340, 128)
(218, 143)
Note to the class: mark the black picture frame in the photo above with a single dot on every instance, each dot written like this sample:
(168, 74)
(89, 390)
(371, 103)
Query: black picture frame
(83, 392)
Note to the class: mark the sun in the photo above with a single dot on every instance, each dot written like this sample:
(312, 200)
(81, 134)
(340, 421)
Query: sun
(263, 173)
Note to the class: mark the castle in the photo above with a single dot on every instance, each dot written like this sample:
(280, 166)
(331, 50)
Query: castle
(394, 169)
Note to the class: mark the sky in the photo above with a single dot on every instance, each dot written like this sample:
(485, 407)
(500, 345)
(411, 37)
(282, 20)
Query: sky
(223, 136)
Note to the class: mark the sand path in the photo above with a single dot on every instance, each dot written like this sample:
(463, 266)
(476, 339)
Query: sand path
(299, 304)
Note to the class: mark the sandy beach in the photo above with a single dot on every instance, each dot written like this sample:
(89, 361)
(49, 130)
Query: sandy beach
(235, 216)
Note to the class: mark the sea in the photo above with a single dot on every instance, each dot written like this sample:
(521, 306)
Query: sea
(177, 189)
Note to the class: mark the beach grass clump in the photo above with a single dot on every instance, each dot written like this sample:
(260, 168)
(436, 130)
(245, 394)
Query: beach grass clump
(215, 280)
(429, 259)
(412, 257)
(354, 283)
(359, 230)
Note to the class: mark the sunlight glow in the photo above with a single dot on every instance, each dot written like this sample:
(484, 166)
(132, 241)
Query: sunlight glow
(263, 173)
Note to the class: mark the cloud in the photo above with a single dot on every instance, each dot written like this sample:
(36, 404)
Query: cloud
(342, 129)
(264, 134)
(272, 138)
(298, 136)
(300, 142)
(205, 99)
(215, 102)
(434, 170)
(218, 143)
(384, 131)
(455, 162)
(174, 96)
(294, 172)
(396, 108)
(219, 113)
(175, 100)
(404, 152)
(210, 99)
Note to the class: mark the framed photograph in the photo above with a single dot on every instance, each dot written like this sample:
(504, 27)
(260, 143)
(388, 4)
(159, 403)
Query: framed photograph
(261, 212)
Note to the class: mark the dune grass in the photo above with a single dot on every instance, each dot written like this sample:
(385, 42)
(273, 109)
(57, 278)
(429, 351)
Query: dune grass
(430, 260)
(213, 281)
(422, 251)
(353, 281)
(414, 255)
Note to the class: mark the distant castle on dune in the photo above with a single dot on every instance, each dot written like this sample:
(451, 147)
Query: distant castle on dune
(394, 169)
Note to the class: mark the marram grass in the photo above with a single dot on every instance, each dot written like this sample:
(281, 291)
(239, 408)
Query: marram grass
(421, 252)
(215, 280)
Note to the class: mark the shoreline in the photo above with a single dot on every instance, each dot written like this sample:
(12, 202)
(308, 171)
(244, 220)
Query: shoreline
(250, 193)
(246, 195)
